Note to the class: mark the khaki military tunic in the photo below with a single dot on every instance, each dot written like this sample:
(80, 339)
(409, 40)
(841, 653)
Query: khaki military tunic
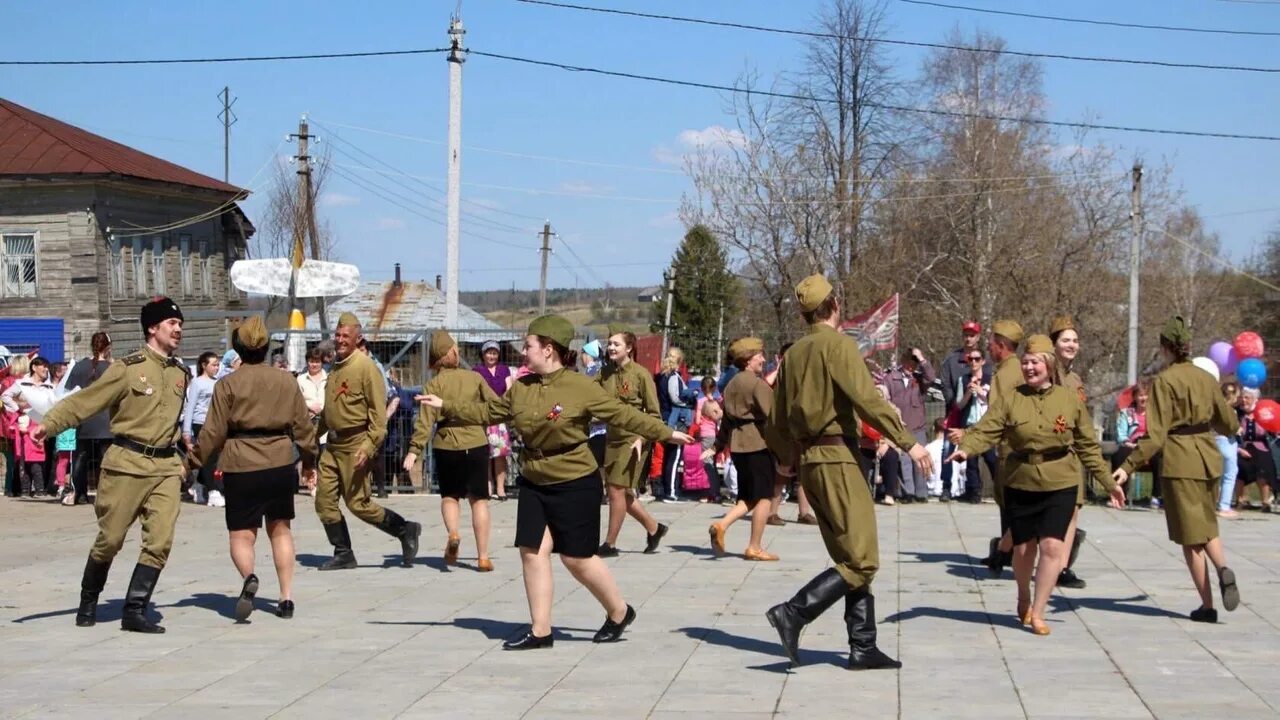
(144, 394)
(455, 386)
(553, 413)
(1049, 434)
(748, 403)
(633, 386)
(256, 416)
(355, 417)
(1005, 380)
(822, 390)
(1071, 380)
(1185, 408)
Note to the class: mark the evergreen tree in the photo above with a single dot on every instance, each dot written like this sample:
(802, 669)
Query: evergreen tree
(703, 283)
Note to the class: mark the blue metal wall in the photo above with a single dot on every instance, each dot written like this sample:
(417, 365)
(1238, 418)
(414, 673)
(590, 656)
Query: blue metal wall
(21, 335)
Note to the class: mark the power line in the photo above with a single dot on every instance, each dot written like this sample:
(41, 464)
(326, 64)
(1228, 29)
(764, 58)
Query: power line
(246, 58)
(1221, 261)
(882, 106)
(906, 43)
(672, 171)
(1088, 21)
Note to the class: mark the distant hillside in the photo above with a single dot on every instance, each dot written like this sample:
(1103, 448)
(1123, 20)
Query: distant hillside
(594, 307)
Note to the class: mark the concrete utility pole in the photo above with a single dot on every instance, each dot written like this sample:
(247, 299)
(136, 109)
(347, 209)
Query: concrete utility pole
(1135, 256)
(454, 190)
(720, 340)
(546, 254)
(670, 279)
(228, 118)
(304, 224)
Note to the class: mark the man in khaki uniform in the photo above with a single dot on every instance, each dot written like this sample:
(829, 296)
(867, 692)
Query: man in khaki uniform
(1006, 336)
(823, 389)
(141, 472)
(355, 418)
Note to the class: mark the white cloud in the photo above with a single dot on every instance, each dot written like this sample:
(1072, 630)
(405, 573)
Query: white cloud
(390, 223)
(713, 138)
(337, 199)
(583, 188)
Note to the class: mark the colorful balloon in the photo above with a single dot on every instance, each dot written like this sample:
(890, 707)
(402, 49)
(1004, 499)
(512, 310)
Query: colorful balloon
(1224, 356)
(1248, 345)
(1267, 414)
(1207, 365)
(1251, 373)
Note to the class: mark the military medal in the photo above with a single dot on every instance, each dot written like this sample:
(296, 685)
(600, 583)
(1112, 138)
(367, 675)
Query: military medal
(1060, 424)
(555, 412)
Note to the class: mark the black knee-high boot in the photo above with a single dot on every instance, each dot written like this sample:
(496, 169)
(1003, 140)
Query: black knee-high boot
(396, 526)
(790, 617)
(141, 585)
(91, 584)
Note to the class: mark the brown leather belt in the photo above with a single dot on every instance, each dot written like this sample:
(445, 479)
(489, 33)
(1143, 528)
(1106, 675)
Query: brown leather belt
(347, 432)
(1039, 458)
(243, 434)
(143, 449)
(1190, 429)
(537, 454)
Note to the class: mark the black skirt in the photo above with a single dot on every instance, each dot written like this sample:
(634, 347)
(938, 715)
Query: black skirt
(1035, 515)
(258, 495)
(463, 473)
(570, 510)
(755, 475)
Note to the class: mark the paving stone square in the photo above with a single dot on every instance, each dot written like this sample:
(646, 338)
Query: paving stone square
(386, 642)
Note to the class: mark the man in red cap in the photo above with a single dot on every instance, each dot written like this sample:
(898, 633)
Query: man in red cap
(955, 368)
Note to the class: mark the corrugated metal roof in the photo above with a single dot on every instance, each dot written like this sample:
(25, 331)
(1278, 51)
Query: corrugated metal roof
(34, 144)
(388, 312)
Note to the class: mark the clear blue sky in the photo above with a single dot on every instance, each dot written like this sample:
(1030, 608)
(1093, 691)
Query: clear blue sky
(170, 110)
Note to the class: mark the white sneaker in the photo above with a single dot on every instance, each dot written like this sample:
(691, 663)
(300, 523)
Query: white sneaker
(216, 499)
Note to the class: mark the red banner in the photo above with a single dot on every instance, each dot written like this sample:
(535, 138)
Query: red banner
(875, 329)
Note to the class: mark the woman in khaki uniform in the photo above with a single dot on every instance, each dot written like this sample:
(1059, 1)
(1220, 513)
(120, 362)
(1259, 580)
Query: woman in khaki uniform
(256, 416)
(1066, 348)
(748, 400)
(560, 486)
(461, 451)
(1049, 434)
(1185, 409)
(624, 469)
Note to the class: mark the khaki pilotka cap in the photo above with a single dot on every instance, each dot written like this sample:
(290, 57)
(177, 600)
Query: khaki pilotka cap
(1039, 344)
(441, 343)
(812, 291)
(252, 334)
(746, 348)
(554, 327)
(1060, 323)
(1008, 329)
(617, 329)
(347, 319)
(1176, 331)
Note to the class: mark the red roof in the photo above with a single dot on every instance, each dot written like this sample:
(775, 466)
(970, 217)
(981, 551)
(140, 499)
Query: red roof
(35, 144)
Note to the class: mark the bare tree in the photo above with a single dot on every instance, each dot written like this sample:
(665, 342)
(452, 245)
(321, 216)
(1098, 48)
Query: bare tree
(285, 217)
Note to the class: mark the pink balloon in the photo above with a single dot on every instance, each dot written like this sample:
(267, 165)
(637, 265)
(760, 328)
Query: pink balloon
(1248, 345)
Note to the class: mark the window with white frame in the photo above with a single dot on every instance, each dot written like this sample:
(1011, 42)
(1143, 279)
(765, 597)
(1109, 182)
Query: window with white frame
(206, 269)
(184, 256)
(118, 289)
(18, 265)
(157, 265)
(139, 269)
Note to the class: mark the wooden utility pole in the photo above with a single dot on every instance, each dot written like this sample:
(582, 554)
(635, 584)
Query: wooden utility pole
(304, 222)
(1135, 257)
(546, 254)
(228, 118)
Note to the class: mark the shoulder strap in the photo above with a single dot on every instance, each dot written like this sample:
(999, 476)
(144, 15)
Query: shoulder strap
(133, 359)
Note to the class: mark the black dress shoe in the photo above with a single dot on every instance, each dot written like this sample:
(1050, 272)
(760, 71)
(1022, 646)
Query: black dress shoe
(285, 609)
(612, 631)
(1068, 579)
(529, 641)
(651, 543)
(1204, 615)
(1230, 592)
(244, 605)
(607, 551)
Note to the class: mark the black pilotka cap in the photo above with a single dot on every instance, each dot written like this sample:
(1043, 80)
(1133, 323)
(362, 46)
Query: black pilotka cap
(157, 311)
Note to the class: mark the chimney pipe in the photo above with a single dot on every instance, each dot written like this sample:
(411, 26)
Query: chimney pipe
(397, 283)
(439, 285)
